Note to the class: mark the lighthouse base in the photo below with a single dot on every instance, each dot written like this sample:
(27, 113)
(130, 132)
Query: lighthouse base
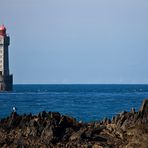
(6, 83)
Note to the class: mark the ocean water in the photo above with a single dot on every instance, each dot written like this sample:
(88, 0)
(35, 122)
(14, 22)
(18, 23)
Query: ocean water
(83, 102)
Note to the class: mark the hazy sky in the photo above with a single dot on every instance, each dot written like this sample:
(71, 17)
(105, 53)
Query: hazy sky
(77, 41)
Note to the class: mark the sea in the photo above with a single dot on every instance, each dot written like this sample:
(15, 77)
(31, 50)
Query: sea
(85, 102)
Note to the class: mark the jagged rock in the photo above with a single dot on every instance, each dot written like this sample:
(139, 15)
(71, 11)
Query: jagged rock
(77, 135)
(144, 108)
(47, 134)
(132, 110)
(66, 121)
(53, 130)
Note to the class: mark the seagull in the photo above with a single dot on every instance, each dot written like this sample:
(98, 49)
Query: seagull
(14, 109)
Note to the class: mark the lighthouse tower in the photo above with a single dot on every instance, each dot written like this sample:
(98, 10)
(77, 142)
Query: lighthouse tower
(6, 80)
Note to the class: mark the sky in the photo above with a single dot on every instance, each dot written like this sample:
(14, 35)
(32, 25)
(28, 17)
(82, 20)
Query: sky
(77, 41)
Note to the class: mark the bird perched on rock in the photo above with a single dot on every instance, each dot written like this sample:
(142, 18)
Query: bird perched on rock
(14, 109)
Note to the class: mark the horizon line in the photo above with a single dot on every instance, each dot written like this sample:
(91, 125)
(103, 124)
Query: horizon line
(80, 84)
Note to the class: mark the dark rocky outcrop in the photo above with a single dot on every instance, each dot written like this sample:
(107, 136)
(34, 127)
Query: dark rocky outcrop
(53, 130)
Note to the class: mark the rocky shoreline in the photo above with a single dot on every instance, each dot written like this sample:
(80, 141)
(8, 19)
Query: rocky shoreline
(53, 130)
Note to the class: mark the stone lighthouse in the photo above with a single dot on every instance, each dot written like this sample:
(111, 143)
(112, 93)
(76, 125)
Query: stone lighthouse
(6, 80)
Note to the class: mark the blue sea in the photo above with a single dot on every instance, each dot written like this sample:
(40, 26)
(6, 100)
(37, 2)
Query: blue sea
(83, 102)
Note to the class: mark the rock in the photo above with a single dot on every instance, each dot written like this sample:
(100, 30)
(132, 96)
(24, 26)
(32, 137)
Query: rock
(97, 130)
(127, 129)
(113, 119)
(87, 134)
(67, 134)
(77, 135)
(121, 121)
(144, 108)
(122, 113)
(97, 146)
(99, 138)
(66, 121)
(48, 134)
(132, 110)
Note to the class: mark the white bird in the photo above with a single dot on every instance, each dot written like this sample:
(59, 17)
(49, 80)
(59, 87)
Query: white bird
(14, 109)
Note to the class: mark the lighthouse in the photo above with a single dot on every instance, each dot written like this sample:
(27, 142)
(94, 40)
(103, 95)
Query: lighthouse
(6, 80)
